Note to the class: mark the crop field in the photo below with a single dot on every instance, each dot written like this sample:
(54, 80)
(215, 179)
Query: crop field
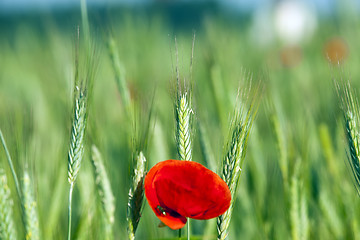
(91, 100)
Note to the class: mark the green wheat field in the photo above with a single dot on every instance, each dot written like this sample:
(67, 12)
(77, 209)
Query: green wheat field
(90, 101)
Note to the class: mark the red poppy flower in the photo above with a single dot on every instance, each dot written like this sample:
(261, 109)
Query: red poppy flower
(176, 190)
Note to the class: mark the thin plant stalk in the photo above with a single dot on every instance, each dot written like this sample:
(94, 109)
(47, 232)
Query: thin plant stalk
(70, 210)
(8, 157)
(188, 229)
(206, 150)
(120, 75)
(281, 145)
(85, 19)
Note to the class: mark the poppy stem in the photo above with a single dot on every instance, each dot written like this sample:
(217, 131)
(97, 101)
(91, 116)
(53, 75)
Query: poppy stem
(188, 229)
(180, 233)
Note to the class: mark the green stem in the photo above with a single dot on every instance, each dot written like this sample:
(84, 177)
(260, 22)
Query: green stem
(85, 19)
(179, 233)
(188, 229)
(11, 165)
(70, 204)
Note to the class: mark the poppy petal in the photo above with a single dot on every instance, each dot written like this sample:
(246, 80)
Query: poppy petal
(173, 222)
(183, 189)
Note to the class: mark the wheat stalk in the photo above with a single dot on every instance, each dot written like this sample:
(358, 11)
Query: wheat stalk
(205, 147)
(281, 145)
(31, 219)
(141, 130)
(183, 109)
(183, 115)
(7, 227)
(76, 151)
(136, 195)
(299, 223)
(82, 88)
(350, 108)
(352, 133)
(119, 72)
(10, 162)
(304, 218)
(231, 172)
(294, 207)
(234, 158)
(104, 191)
(183, 128)
(85, 19)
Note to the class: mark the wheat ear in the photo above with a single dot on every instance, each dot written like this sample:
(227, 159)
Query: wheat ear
(104, 191)
(351, 113)
(298, 207)
(231, 173)
(136, 195)
(7, 227)
(76, 151)
(31, 219)
(352, 122)
(234, 158)
(82, 88)
(183, 128)
(184, 115)
(141, 132)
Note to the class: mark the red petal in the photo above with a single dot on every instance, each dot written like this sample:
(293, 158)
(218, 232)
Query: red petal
(173, 222)
(185, 189)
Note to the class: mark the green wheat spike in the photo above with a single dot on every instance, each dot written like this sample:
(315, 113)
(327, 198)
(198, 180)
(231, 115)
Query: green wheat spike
(76, 151)
(234, 158)
(31, 219)
(7, 227)
(84, 77)
(183, 123)
(352, 134)
(231, 173)
(77, 139)
(351, 113)
(304, 218)
(104, 190)
(136, 195)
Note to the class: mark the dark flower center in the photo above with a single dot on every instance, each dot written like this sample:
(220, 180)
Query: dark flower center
(167, 211)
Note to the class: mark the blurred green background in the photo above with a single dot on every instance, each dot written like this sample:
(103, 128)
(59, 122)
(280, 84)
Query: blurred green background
(297, 148)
